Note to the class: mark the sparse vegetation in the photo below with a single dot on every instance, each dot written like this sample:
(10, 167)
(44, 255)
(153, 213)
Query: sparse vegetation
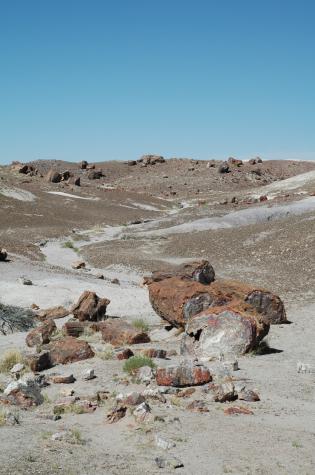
(106, 354)
(3, 418)
(9, 359)
(71, 409)
(141, 325)
(76, 436)
(135, 362)
(70, 245)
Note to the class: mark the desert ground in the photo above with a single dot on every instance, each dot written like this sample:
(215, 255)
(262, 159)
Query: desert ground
(254, 222)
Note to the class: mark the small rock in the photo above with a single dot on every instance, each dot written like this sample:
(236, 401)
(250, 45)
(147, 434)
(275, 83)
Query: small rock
(125, 354)
(132, 399)
(223, 392)
(115, 281)
(17, 368)
(197, 406)
(248, 395)
(164, 443)
(237, 410)
(62, 435)
(145, 374)
(171, 462)
(154, 353)
(305, 368)
(78, 265)
(117, 413)
(3, 255)
(88, 374)
(142, 412)
(24, 392)
(24, 281)
(65, 379)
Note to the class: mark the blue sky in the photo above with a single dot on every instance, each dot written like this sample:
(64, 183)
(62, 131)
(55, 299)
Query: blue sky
(101, 79)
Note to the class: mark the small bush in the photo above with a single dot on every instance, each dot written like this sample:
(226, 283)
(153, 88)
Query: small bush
(9, 359)
(141, 325)
(76, 437)
(135, 362)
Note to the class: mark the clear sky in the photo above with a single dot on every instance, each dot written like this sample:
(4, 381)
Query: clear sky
(113, 79)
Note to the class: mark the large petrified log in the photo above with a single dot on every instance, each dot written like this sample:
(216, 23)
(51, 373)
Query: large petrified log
(176, 299)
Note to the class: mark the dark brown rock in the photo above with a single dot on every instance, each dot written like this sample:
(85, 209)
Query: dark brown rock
(53, 176)
(3, 255)
(117, 413)
(59, 379)
(154, 353)
(74, 180)
(90, 307)
(74, 328)
(39, 361)
(269, 305)
(83, 164)
(95, 174)
(125, 354)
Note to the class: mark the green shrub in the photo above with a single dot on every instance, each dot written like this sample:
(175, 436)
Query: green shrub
(141, 325)
(135, 362)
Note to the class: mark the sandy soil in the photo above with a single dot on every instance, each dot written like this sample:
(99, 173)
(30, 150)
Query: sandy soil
(270, 244)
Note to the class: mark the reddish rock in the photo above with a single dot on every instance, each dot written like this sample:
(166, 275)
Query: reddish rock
(183, 374)
(176, 300)
(125, 354)
(118, 332)
(248, 395)
(41, 335)
(237, 410)
(52, 313)
(68, 350)
(90, 307)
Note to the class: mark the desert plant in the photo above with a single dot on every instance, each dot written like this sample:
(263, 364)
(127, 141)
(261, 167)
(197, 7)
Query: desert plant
(135, 362)
(141, 325)
(9, 359)
(70, 245)
(3, 418)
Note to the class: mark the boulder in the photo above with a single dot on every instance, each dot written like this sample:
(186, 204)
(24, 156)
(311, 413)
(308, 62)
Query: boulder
(65, 175)
(68, 350)
(95, 174)
(151, 159)
(63, 379)
(224, 168)
(267, 304)
(41, 335)
(235, 162)
(216, 332)
(119, 332)
(39, 361)
(24, 392)
(255, 161)
(53, 176)
(184, 374)
(90, 307)
(176, 300)
(52, 313)
(125, 354)
(3, 255)
(83, 164)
